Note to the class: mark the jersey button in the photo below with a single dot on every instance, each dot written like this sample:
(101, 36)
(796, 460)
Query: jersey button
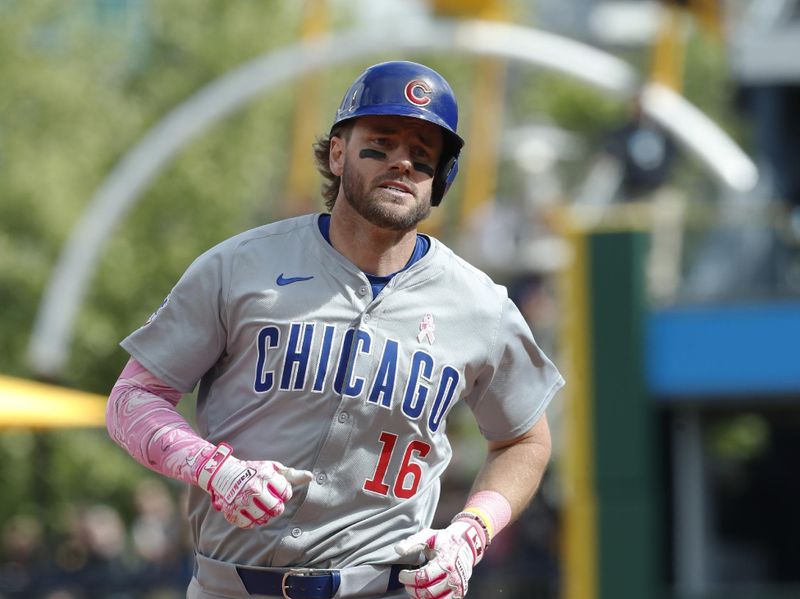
(362, 290)
(322, 478)
(366, 318)
(296, 532)
(343, 417)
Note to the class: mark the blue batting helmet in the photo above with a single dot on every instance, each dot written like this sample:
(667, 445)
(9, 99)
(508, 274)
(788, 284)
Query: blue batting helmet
(401, 88)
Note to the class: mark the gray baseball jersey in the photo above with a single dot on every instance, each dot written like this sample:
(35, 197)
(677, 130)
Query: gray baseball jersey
(298, 363)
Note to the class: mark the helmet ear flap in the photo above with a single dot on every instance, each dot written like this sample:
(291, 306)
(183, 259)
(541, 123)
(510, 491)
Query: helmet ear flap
(444, 178)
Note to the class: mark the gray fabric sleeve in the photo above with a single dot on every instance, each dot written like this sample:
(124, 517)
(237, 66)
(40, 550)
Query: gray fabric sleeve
(517, 383)
(186, 336)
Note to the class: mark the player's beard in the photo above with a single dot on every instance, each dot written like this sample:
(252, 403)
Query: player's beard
(382, 212)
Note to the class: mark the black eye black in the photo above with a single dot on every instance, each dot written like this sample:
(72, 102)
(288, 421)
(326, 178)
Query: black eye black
(424, 168)
(370, 153)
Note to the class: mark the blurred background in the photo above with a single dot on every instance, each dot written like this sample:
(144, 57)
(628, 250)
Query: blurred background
(631, 173)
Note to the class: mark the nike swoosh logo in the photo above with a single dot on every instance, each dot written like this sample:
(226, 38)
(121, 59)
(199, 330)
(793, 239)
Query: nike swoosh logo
(281, 280)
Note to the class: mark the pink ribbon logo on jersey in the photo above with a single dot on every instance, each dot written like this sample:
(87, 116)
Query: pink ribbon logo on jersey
(426, 329)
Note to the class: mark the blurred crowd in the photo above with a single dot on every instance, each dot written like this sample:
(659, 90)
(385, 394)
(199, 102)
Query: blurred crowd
(98, 555)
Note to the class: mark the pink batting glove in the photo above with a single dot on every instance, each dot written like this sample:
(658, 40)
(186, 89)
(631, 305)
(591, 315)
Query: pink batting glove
(452, 554)
(248, 493)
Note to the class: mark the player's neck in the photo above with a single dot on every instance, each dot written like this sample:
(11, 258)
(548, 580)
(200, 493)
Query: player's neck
(372, 249)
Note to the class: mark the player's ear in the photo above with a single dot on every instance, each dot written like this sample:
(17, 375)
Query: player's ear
(336, 155)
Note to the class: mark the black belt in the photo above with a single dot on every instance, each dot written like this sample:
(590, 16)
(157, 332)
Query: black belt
(301, 583)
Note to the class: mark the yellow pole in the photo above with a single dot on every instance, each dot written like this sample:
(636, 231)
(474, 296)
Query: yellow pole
(709, 14)
(579, 533)
(669, 50)
(480, 167)
(485, 125)
(301, 178)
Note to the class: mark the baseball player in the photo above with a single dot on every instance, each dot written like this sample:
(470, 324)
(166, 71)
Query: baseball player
(329, 350)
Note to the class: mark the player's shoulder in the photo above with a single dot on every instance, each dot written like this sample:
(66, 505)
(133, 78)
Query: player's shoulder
(464, 275)
(282, 233)
(277, 231)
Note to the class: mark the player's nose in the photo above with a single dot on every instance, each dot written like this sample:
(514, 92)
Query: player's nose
(400, 159)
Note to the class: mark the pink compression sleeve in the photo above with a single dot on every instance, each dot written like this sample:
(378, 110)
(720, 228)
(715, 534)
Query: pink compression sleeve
(142, 419)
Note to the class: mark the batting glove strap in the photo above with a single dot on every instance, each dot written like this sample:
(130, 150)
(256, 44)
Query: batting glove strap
(212, 465)
(473, 517)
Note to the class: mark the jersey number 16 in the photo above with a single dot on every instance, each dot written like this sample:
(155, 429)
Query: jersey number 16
(408, 477)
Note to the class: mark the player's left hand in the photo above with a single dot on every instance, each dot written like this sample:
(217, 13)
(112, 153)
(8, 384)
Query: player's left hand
(451, 553)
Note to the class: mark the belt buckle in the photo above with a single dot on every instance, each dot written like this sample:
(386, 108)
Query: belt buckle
(293, 572)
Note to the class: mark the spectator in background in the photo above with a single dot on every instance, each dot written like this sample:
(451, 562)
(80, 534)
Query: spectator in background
(636, 160)
(160, 539)
(22, 546)
(102, 533)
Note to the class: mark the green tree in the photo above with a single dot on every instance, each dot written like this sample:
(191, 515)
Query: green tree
(82, 82)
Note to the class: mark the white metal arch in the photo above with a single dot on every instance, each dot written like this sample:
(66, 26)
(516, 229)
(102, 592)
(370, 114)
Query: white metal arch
(66, 289)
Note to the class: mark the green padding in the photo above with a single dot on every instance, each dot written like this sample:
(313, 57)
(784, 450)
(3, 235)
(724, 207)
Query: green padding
(623, 419)
(627, 535)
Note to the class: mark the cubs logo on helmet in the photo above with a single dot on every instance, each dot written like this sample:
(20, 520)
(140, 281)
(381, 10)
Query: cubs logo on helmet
(418, 92)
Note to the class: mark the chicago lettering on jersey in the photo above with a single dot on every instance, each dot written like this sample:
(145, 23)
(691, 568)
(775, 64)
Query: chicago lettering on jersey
(306, 356)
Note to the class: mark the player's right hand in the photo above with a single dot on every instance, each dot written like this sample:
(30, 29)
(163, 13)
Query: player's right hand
(248, 493)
